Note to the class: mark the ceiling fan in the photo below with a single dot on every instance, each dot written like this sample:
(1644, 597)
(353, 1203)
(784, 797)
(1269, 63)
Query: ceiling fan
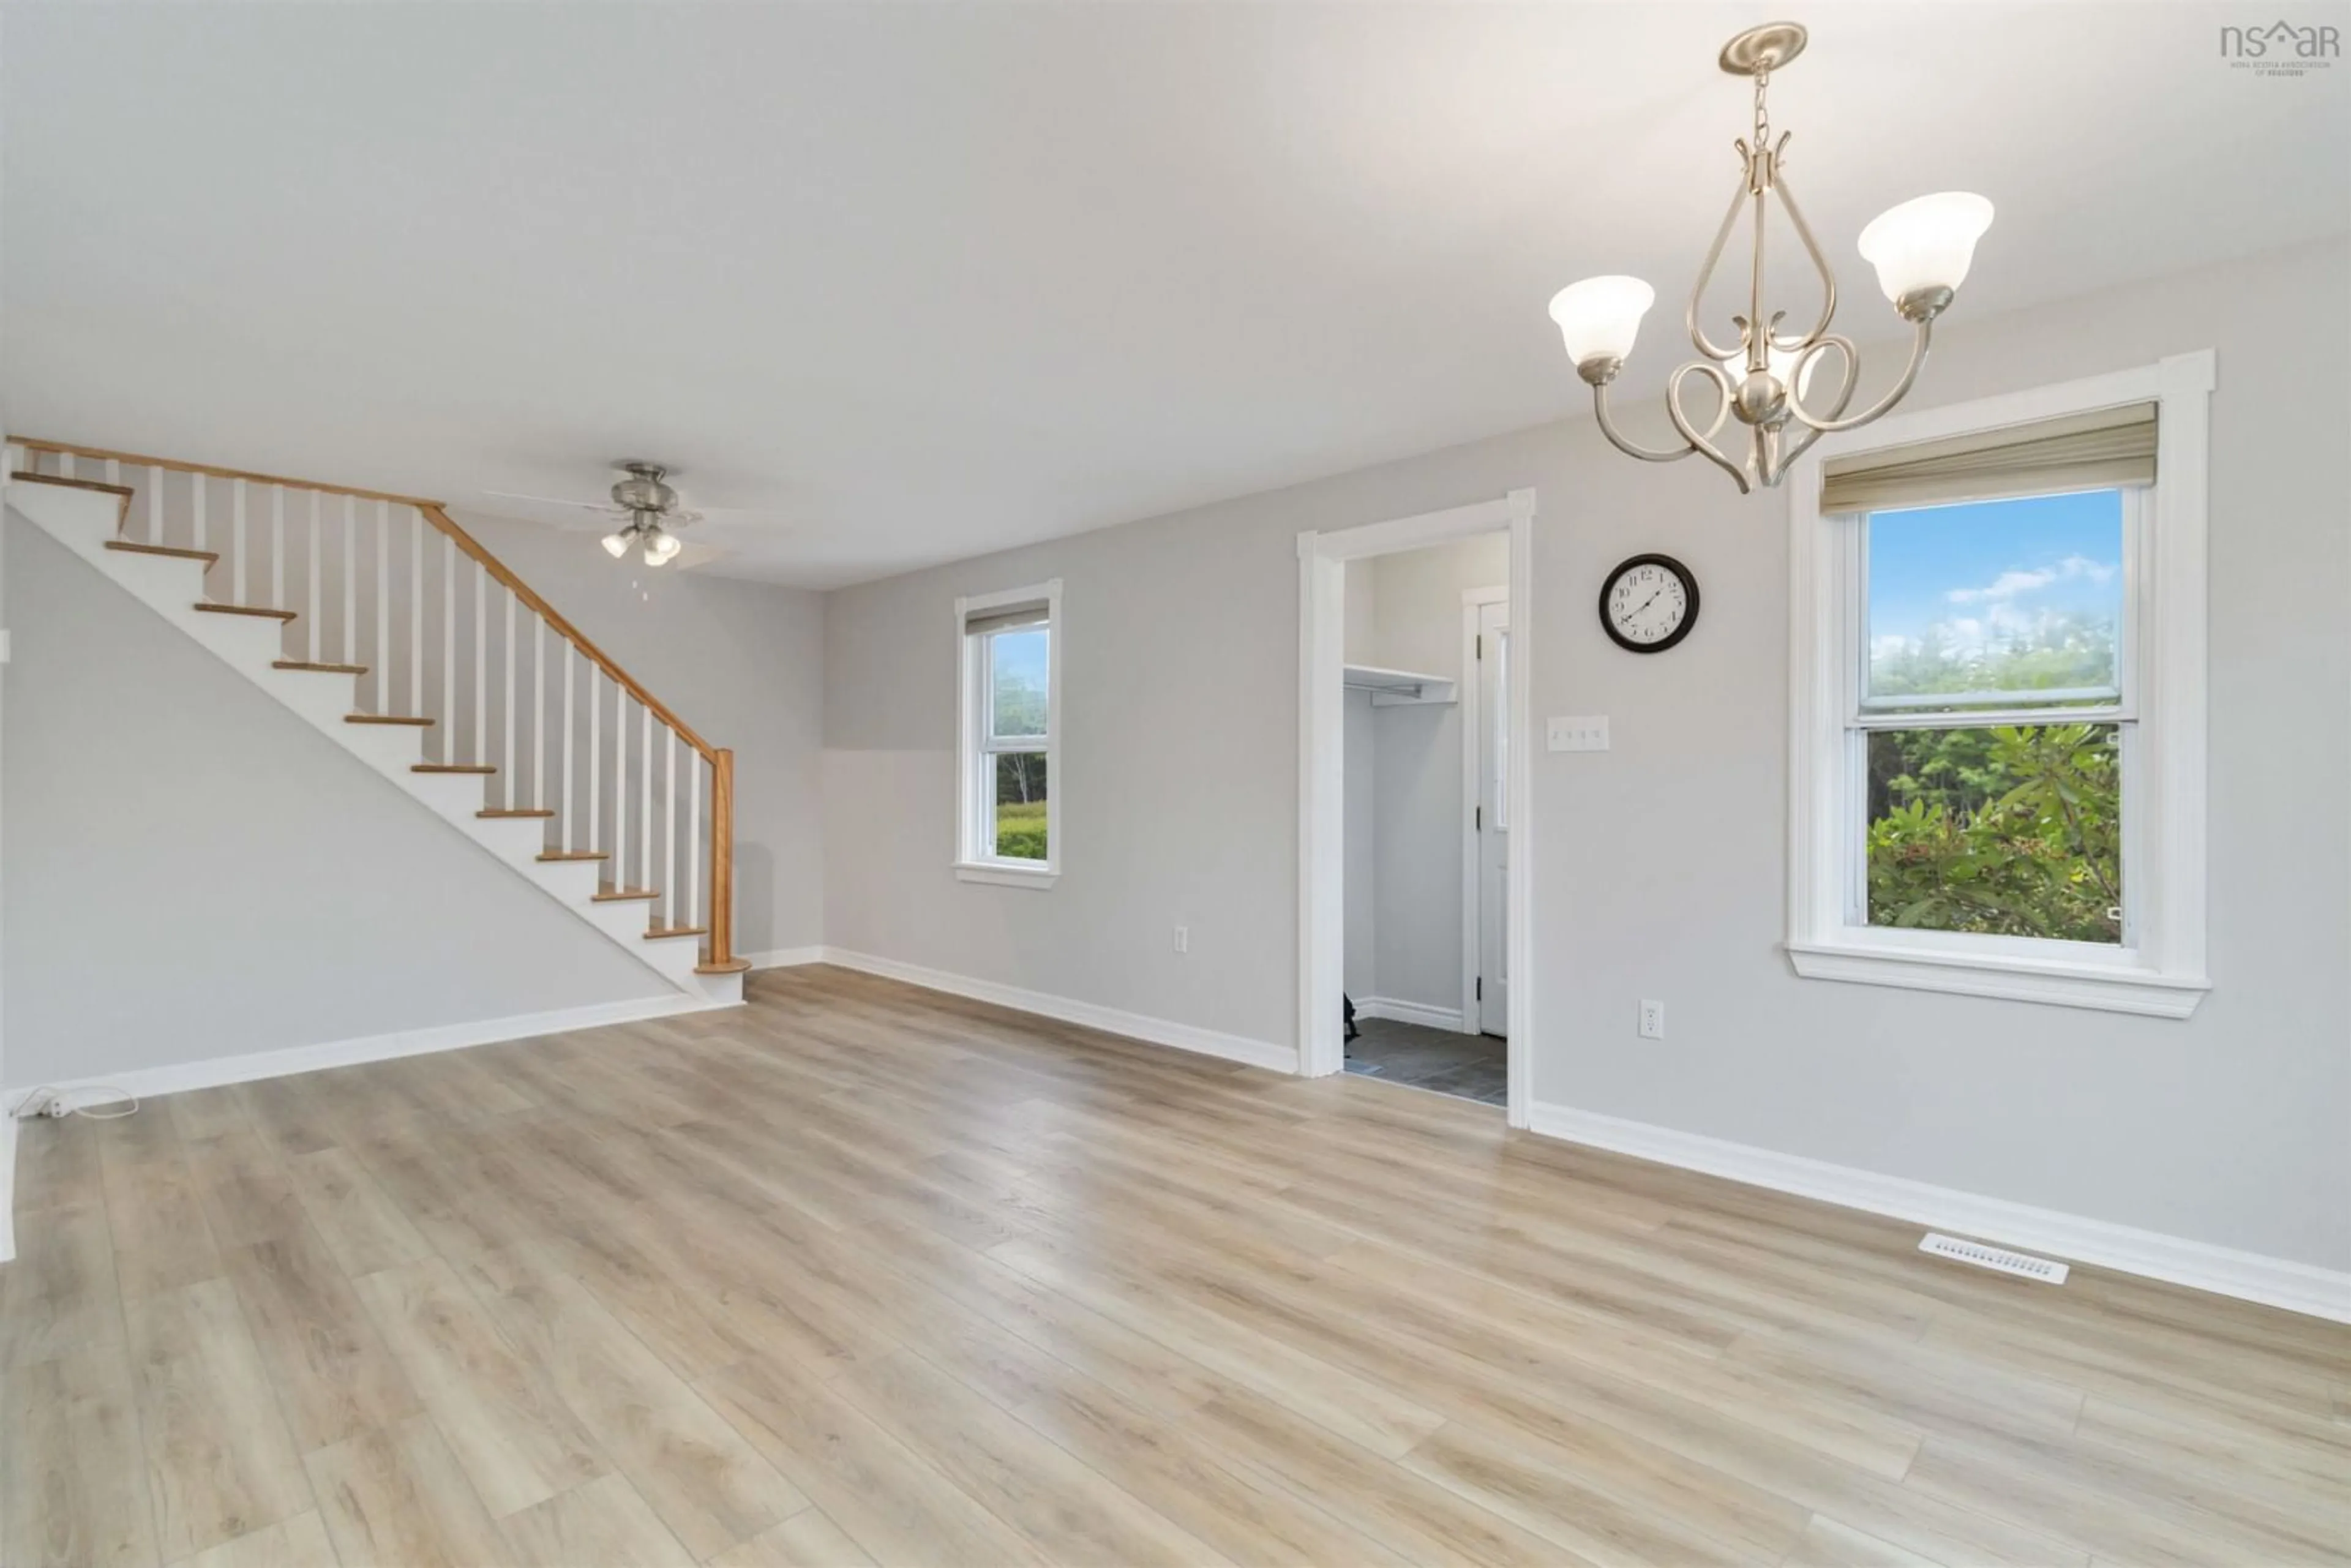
(646, 507)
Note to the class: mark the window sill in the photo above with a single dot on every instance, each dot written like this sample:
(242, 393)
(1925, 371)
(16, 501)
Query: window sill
(2106, 987)
(999, 874)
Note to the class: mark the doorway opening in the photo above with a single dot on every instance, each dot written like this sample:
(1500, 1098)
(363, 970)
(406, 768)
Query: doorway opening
(1413, 803)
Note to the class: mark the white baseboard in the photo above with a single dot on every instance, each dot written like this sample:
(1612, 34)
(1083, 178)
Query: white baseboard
(1408, 1012)
(7, 1188)
(1157, 1031)
(2200, 1265)
(148, 1082)
(784, 957)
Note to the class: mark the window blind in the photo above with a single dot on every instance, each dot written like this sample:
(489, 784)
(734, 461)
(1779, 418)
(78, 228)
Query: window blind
(1006, 618)
(2107, 447)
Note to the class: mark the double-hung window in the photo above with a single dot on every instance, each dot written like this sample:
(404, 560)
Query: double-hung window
(1998, 698)
(1009, 805)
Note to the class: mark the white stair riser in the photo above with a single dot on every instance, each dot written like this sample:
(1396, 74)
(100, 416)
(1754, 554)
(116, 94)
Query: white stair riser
(321, 697)
(172, 586)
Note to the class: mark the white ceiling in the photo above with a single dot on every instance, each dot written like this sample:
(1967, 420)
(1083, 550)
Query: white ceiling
(914, 282)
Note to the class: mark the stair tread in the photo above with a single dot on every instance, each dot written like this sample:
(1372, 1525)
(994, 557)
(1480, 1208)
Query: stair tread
(321, 669)
(26, 474)
(573, 856)
(385, 718)
(513, 811)
(132, 547)
(261, 610)
(607, 893)
(452, 767)
(664, 933)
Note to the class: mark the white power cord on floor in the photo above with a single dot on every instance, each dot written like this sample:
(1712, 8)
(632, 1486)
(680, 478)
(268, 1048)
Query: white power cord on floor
(48, 1101)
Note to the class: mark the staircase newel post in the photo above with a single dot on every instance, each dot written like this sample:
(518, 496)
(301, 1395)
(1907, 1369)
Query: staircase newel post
(721, 857)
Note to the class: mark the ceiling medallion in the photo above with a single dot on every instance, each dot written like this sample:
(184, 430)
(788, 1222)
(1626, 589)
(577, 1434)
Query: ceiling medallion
(1920, 249)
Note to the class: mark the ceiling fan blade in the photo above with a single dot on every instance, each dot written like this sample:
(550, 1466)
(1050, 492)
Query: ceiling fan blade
(553, 501)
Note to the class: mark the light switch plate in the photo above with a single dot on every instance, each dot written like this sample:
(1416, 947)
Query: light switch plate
(1586, 732)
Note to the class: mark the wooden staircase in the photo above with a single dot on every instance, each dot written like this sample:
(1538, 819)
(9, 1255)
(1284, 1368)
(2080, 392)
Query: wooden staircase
(383, 623)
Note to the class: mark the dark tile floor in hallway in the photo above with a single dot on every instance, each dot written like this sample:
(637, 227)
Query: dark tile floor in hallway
(1472, 1066)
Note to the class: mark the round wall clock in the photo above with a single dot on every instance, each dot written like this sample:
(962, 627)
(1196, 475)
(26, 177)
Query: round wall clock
(1649, 603)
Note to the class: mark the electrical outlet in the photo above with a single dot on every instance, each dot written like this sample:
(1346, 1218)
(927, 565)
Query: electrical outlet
(1587, 732)
(1652, 1020)
(1182, 939)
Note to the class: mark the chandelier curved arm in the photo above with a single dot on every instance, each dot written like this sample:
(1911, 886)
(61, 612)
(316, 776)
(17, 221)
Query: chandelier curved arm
(1608, 429)
(1705, 276)
(1820, 264)
(1702, 442)
(1831, 423)
(1850, 359)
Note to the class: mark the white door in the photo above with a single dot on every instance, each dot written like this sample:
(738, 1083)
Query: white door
(1493, 805)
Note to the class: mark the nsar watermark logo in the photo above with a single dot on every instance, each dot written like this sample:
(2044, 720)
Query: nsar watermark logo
(2282, 50)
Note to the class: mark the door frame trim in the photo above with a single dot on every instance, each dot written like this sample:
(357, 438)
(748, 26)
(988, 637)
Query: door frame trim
(1321, 763)
(1473, 792)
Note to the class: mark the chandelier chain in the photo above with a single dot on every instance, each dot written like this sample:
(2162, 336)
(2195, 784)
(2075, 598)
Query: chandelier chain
(1763, 115)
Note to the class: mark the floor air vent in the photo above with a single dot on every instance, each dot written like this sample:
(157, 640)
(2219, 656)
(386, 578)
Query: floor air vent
(1984, 1257)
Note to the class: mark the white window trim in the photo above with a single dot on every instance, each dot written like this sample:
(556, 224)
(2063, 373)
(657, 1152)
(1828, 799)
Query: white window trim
(971, 864)
(2160, 972)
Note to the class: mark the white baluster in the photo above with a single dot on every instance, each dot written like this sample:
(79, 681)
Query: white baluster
(384, 607)
(595, 761)
(693, 842)
(448, 725)
(537, 712)
(239, 577)
(154, 505)
(619, 861)
(514, 786)
(196, 485)
(277, 546)
(645, 810)
(566, 825)
(481, 662)
(669, 828)
(416, 611)
(311, 614)
(349, 563)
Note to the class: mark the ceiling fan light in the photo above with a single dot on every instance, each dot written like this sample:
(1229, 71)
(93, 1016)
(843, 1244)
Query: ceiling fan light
(660, 547)
(1599, 316)
(616, 544)
(1926, 242)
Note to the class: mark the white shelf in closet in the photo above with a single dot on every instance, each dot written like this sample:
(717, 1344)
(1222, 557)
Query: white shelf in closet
(1397, 688)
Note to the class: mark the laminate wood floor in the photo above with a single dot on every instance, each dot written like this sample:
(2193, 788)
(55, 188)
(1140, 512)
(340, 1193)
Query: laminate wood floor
(861, 1273)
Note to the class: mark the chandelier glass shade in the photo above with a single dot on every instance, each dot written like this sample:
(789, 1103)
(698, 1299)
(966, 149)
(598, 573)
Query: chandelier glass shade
(1767, 379)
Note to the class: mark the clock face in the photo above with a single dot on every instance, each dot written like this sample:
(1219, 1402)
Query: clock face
(1649, 603)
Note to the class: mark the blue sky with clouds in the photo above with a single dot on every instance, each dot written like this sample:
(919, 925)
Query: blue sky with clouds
(1022, 661)
(1982, 571)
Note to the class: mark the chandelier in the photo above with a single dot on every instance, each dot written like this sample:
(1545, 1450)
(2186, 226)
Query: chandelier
(1920, 249)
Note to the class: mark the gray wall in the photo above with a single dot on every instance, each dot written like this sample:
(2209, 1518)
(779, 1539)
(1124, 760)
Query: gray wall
(1659, 865)
(195, 872)
(740, 661)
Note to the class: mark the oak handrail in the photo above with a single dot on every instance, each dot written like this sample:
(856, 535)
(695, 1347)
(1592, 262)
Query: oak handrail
(722, 958)
(68, 449)
(548, 613)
